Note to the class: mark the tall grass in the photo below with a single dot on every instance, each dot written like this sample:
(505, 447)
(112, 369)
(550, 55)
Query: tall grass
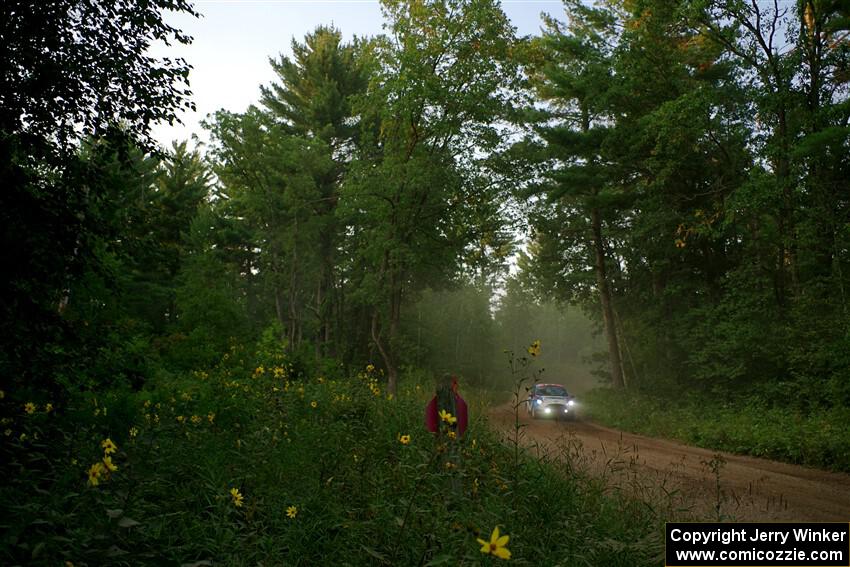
(245, 464)
(817, 438)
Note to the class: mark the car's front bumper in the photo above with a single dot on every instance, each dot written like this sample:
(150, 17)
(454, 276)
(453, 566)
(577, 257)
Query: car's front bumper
(554, 409)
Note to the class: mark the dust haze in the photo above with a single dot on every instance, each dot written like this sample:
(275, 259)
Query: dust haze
(465, 332)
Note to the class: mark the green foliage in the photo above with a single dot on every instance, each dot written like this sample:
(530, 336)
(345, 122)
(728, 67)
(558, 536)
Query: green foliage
(786, 431)
(321, 472)
(712, 164)
(56, 214)
(683, 180)
(412, 201)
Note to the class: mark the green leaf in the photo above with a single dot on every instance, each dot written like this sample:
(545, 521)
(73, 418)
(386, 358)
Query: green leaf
(37, 549)
(126, 522)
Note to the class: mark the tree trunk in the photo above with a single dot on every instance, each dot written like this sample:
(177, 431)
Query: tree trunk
(605, 299)
(293, 290)
(320, 331)
(602, 279)
(786, 227)
(386, 354)
(281, 316)
(395, 326)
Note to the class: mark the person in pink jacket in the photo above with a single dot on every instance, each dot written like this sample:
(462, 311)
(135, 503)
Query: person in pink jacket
(447, 406)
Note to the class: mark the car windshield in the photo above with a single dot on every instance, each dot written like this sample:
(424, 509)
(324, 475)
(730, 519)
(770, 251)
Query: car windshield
(551, 391)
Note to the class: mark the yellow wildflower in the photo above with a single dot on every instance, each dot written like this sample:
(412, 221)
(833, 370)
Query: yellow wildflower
(237, 497)
(313, 404)
(107, 464)
(447, 417)
(95, 472)
(181, 419)
(496, 545)
(108, 446)
(452, 435)
(29, 407)
(404, 439)
(534, 348)
(23, 437)
(196, 419)
(48, 408)
(370, 367)
(134, 431)
(259, 371)
(292, 511)
(210, 417)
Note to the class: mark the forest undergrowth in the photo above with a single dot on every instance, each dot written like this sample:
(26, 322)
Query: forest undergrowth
(814, 436)
(254, 462)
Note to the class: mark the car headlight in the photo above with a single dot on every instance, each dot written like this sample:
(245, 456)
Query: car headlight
(539, 402)
(571, 403)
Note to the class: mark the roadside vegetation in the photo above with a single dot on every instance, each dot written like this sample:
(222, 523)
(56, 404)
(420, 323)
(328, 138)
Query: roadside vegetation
(816, 437)
(253, 462)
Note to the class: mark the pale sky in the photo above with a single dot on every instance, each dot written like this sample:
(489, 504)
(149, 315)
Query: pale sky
(234, 39)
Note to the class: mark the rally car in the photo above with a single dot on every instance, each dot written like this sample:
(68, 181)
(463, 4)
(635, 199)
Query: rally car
(550, 400)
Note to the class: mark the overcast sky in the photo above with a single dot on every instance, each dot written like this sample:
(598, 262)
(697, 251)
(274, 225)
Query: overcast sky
(234, 39)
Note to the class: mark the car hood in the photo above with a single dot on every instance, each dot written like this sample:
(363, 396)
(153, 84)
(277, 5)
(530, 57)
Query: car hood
(554, 399)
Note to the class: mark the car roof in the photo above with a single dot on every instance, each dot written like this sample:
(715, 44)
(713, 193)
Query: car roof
(558, 385)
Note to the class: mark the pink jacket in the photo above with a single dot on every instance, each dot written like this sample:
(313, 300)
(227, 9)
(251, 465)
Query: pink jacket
(432, 415)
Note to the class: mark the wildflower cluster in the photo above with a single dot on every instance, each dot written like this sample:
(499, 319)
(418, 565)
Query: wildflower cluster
(152, 417)
(236, 497)
(371, 380)
(534, 348)
(101, 470)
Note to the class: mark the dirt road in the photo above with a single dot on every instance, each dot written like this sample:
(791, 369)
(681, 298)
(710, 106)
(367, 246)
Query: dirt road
(693, 482)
